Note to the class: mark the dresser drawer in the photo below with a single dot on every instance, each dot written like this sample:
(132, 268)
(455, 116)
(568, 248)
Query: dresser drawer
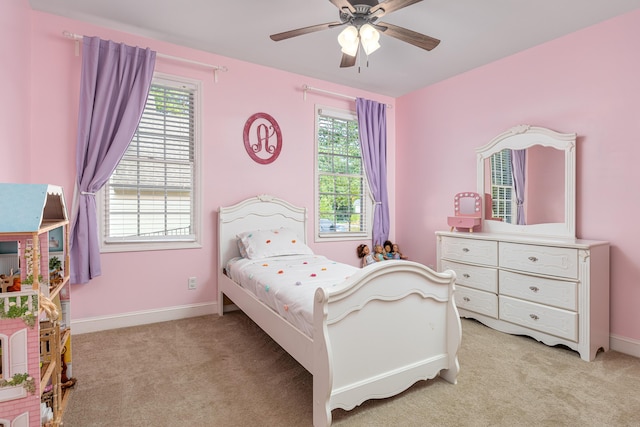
(469, 250)
(472, 276)
(552, 261)
(558, 293)
(550, 320)
(478, 301)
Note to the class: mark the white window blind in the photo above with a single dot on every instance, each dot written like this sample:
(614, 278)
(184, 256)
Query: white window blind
(342, 202)
(151, 195)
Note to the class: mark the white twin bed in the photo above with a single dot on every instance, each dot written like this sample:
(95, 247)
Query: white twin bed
(362, 333)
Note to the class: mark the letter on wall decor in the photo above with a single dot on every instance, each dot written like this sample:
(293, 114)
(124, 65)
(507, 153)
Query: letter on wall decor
(262, 138)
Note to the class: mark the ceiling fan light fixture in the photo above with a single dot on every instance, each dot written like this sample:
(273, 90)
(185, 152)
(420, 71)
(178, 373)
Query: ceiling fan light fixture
(369, 37)
(348, 40)
(359, 20)
(368, 32)
(371, 47)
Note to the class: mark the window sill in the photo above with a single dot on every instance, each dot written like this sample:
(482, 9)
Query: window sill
(147, 246)
(340, 237)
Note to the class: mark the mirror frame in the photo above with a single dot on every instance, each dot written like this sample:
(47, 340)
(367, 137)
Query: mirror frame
(525, 136)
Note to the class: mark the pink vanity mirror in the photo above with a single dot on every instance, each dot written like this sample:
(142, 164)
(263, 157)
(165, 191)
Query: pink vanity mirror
(467, 208)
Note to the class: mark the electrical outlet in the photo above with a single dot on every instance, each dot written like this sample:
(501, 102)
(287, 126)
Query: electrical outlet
(192, 283)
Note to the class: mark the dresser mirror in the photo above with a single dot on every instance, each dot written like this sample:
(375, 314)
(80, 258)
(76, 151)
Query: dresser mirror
(527, 176)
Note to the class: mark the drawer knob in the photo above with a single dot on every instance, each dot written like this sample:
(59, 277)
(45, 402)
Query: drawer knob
(534, 288)
(467, 299)
(533, 259)
(534, 317)
(466, 276)
(465, 250)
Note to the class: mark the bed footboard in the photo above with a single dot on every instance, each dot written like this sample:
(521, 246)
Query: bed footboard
(387, 327)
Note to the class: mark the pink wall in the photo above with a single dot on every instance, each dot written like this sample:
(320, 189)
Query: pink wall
(15, 31)
(147, 281)
(587, 82)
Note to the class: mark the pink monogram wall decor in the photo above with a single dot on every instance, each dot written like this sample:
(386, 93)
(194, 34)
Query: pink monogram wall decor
(262, 138)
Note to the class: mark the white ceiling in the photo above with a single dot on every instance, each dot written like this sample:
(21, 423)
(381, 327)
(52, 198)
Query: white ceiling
(472, 33)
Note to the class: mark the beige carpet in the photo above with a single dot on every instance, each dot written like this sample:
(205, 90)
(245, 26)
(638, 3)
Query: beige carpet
(212, 371)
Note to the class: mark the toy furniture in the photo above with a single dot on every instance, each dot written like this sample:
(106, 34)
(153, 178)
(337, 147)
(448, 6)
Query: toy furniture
(468, 212)
(34, 322)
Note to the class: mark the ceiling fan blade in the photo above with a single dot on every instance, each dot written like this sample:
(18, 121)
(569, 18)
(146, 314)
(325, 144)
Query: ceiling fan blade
(389, 6)
(348, 60)
(343, 4)
(306, 30)
(409, 36)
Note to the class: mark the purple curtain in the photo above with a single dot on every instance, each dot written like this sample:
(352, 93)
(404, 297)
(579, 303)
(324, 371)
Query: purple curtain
(518, 162)
(372, 125)
(114, 86)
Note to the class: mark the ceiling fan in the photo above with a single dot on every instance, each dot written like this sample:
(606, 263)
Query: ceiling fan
(363, 28)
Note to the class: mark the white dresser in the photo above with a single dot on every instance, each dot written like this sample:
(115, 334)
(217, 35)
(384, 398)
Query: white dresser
(554, 290)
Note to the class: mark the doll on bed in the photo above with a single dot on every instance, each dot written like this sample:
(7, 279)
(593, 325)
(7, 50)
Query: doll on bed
(366, 255)
(395, 252)
(387, 249)
(378, 253)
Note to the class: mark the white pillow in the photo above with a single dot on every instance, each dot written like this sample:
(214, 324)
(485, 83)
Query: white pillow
(269, 243)
(243, 251)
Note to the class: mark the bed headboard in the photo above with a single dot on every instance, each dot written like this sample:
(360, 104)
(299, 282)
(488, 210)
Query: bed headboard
(256, 213)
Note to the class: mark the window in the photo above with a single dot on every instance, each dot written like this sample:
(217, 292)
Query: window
(343, 204)
(151, 201)
(502, 186)
(14, 360)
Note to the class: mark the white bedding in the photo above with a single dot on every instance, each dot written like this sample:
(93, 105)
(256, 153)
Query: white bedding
(287, 284)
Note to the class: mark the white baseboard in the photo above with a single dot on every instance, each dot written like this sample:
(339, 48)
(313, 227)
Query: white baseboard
(95, 324)
(624, 345)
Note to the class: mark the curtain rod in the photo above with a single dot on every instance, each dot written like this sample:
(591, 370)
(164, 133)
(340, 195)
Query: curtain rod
(307, 88)
(216, 68)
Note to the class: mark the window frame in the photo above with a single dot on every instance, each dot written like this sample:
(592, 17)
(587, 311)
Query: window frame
(15, 359)
(117, 245)
(367, 199)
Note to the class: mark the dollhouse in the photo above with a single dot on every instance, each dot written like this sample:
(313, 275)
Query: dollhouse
(35, 338)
